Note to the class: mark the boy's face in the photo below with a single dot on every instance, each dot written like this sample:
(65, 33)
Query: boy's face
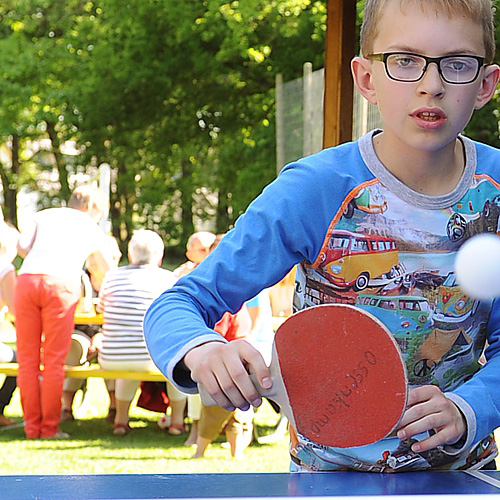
(428, 114)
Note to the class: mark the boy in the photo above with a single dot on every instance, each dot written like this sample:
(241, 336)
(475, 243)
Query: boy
(375, 223)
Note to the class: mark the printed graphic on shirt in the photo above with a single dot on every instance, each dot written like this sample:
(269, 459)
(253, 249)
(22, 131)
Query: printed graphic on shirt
(396, 261)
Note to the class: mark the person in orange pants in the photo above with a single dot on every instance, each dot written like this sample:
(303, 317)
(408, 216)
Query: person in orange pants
(48, 308)
(47, 292)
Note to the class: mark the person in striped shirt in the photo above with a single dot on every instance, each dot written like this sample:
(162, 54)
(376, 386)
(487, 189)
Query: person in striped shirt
(125, 295)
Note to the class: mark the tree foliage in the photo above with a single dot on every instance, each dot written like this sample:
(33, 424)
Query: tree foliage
(177, 97)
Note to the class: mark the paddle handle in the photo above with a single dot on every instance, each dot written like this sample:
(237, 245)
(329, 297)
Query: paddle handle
(276, 393)
(208, 400)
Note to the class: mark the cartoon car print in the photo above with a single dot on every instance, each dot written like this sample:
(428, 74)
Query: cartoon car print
(352, 260)
(452, 304)
(480, 202)
(407, 282)
(456, 366)
(483, 450)
(402, 315)
(491, 214)
(403, 457)
(400, 285)
(456, 227)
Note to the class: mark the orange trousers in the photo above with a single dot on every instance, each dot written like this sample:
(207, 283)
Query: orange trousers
(45, 315)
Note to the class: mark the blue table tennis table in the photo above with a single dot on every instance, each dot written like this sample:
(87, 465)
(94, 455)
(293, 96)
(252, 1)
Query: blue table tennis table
(322, 486)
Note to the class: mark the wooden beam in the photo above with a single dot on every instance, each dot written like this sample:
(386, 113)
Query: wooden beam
(339, 50)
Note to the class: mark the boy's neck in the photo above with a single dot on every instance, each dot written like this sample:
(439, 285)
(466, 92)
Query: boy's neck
(429, 173)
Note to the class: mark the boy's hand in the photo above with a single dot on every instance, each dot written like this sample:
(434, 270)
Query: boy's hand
(429, 409)
(224, 371)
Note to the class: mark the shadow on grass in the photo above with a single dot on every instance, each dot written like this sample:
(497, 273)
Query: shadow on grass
(97, 433)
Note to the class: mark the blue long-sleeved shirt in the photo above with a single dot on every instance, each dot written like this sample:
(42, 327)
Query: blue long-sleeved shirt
(360, 236)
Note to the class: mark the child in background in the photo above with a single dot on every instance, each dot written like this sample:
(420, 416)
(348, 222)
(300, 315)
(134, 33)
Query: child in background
(197, 248)
(379, 218)
(237, 425)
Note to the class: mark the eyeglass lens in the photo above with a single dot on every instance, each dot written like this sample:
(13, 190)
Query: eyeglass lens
(454, 69)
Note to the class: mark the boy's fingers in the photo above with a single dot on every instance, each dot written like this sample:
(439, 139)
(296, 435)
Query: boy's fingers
(427, 444)
(255, 363)
(429, 410)
(446, 435)
(411, 413)
(240, 362)
(223, 369)
(211, 385)
(427, 423)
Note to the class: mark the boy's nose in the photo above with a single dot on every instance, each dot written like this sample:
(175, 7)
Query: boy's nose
(432, 82)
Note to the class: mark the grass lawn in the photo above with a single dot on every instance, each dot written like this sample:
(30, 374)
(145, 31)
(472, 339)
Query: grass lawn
(92, 449)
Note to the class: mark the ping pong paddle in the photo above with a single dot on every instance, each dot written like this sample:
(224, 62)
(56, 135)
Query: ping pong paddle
(338, 376)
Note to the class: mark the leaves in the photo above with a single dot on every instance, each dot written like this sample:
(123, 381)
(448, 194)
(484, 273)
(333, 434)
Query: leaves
(177, 97)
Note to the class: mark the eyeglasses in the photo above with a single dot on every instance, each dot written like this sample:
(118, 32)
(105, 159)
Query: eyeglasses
(408, 67)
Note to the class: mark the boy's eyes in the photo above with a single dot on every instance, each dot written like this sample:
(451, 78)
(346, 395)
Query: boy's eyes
(405, 61)
(457, 64)
(448, 64)
(407, 67)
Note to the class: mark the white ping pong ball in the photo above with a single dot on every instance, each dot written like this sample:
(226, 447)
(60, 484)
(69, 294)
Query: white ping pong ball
(477, 266)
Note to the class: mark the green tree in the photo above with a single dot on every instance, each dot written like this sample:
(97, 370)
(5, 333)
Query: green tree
(182, 96)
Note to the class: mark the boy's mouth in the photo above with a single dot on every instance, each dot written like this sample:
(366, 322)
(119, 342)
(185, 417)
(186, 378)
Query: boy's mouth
(429, 116)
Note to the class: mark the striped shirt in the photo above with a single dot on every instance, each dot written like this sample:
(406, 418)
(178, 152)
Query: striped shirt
(126, 294)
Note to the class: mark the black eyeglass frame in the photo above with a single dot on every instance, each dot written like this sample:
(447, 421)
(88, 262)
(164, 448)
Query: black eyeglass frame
(382, 57)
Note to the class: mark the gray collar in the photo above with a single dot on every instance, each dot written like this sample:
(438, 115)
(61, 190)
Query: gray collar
(409, 195)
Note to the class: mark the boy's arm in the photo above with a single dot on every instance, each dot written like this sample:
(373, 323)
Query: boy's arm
(479, 397)
(26, 241)
(287, 224)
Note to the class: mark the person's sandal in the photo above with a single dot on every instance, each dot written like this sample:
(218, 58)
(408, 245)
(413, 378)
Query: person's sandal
(67, 416)
(121, 429)
(6, 422)
(176, 430)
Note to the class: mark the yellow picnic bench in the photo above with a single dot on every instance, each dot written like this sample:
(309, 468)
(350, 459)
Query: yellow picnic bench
(92, 370)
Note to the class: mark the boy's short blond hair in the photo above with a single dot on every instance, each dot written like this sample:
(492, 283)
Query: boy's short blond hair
(479, 10)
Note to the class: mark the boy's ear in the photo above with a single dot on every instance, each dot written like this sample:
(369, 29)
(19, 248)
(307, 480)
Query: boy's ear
(362, 75)
(489, 84)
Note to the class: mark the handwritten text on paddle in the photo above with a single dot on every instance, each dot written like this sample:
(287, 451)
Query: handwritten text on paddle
(343, 396)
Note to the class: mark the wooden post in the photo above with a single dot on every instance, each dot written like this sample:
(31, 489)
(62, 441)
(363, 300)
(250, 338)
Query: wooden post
(339, 50)
(307, 83)
(280, 135)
